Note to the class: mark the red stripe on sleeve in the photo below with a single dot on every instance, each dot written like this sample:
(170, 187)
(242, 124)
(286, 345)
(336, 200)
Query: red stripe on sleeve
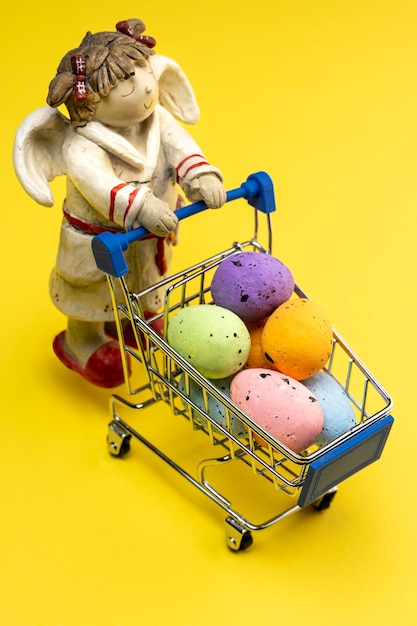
(194, 166)
(132, 196)
(191, 156)
(113, 194)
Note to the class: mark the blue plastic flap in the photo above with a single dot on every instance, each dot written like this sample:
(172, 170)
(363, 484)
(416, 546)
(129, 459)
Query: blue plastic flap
(345, 460)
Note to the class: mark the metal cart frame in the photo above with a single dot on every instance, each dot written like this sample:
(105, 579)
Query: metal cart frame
(312, 477)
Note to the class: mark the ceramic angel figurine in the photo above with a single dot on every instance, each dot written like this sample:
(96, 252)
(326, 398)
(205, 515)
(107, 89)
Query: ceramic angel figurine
(123, 155)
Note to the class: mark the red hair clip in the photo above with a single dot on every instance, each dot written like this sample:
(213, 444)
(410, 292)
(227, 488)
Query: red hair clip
(126, 28)
(78, 69)
(149, 41)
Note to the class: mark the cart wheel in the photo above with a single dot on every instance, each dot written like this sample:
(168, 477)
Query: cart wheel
(238, 538)
(323, 503)
(118, 440)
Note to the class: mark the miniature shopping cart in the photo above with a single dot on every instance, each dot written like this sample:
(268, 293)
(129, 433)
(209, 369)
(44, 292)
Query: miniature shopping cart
(310, 478)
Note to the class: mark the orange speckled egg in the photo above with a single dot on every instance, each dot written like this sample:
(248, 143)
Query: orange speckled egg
(297, 338)
(256, 355)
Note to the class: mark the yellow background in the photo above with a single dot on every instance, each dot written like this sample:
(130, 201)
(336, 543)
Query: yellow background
(323, 96)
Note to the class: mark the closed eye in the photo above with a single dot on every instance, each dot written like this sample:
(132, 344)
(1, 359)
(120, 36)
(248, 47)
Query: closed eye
(125, 95)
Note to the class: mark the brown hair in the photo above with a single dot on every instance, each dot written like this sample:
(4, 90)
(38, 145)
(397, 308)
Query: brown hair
(108, 57)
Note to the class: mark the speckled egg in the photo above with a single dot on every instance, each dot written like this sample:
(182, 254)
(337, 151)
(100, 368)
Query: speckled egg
(281, 405)
(297, 338)
(216, 409)
(256, 356)
(338, 412)
(251, 284)
(211, 338)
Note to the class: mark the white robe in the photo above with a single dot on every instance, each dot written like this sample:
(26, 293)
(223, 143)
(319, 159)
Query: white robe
(105, 169)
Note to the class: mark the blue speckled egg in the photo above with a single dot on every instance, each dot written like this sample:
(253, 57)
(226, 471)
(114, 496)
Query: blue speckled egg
(216, 409)
(211, 338)
(251, 284)
(338, 412)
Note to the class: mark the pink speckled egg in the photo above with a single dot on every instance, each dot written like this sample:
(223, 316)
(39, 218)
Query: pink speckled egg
(251, 284)
(281, 405)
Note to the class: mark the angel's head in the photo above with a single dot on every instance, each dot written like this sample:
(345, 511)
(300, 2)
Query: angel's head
(87, 77)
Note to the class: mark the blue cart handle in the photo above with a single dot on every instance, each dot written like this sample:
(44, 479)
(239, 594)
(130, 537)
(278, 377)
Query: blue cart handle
(108, 247)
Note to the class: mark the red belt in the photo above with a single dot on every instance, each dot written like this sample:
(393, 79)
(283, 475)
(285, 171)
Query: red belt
(95, 229)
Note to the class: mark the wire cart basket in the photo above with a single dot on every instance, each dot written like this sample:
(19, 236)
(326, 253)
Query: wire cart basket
(312, 477)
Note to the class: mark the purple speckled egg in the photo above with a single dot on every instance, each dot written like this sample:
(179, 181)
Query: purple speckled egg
(252, 285)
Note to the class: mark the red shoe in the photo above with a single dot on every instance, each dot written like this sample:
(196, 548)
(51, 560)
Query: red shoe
(129, 335)
(104, 367)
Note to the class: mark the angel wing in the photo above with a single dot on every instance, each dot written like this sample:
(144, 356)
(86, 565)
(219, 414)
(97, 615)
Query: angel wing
(37, 152)
(175, 91)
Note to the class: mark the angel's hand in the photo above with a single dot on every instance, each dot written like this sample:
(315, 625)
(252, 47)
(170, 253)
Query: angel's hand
(156, 216)
(208, 187)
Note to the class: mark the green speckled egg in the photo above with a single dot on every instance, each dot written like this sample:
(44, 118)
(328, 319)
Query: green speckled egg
(212, 339)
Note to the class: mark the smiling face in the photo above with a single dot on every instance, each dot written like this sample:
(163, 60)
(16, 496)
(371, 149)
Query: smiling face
(131, 101)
